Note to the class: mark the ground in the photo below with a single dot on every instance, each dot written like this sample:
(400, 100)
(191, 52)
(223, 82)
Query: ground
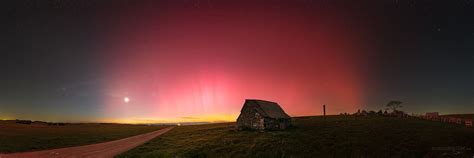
(22, 137)
(107, 149)
(465, 116)
(333, 136)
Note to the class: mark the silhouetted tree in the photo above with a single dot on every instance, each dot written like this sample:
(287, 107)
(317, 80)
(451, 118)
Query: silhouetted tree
(372, 113)
(364, 113)
(380, 113)
(357, 113)
(394, 105)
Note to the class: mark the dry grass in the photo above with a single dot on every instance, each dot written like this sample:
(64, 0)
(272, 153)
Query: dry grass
(335, 136)
(22, 137)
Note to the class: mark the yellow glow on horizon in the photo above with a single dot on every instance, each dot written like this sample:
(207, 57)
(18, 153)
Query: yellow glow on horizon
(6, 118)
(215, 118)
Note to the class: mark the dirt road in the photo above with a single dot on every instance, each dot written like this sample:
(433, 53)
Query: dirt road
(106, 149)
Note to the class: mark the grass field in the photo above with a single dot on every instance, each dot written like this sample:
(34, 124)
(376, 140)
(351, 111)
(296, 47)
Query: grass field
(334, 136)
(21, 137)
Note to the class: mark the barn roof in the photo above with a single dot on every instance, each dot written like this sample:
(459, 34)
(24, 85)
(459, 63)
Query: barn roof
(267, 108)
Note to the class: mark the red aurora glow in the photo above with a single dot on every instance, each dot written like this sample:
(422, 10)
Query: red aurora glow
(186, 62)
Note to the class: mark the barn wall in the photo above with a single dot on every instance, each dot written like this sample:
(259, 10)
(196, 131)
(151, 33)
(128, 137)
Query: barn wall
(276, 124)
(271, 123)
(250, 119)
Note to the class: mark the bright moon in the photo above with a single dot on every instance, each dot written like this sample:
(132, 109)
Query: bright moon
(126, 100)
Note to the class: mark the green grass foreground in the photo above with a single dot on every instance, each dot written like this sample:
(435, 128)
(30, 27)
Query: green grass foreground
(334, 136)
(20, 137)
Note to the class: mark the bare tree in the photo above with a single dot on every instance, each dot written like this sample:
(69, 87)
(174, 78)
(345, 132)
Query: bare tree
(394, 105)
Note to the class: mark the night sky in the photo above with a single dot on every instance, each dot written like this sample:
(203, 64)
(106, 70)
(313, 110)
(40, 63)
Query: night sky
(198, 60)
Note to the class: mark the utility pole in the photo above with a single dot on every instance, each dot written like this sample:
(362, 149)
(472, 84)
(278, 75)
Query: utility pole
(324, 110)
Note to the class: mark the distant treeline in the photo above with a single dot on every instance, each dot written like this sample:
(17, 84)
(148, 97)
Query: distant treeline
(396, 113)
(27, 122)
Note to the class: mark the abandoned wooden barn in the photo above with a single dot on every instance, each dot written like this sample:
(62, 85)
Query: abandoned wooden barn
(262, 115)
